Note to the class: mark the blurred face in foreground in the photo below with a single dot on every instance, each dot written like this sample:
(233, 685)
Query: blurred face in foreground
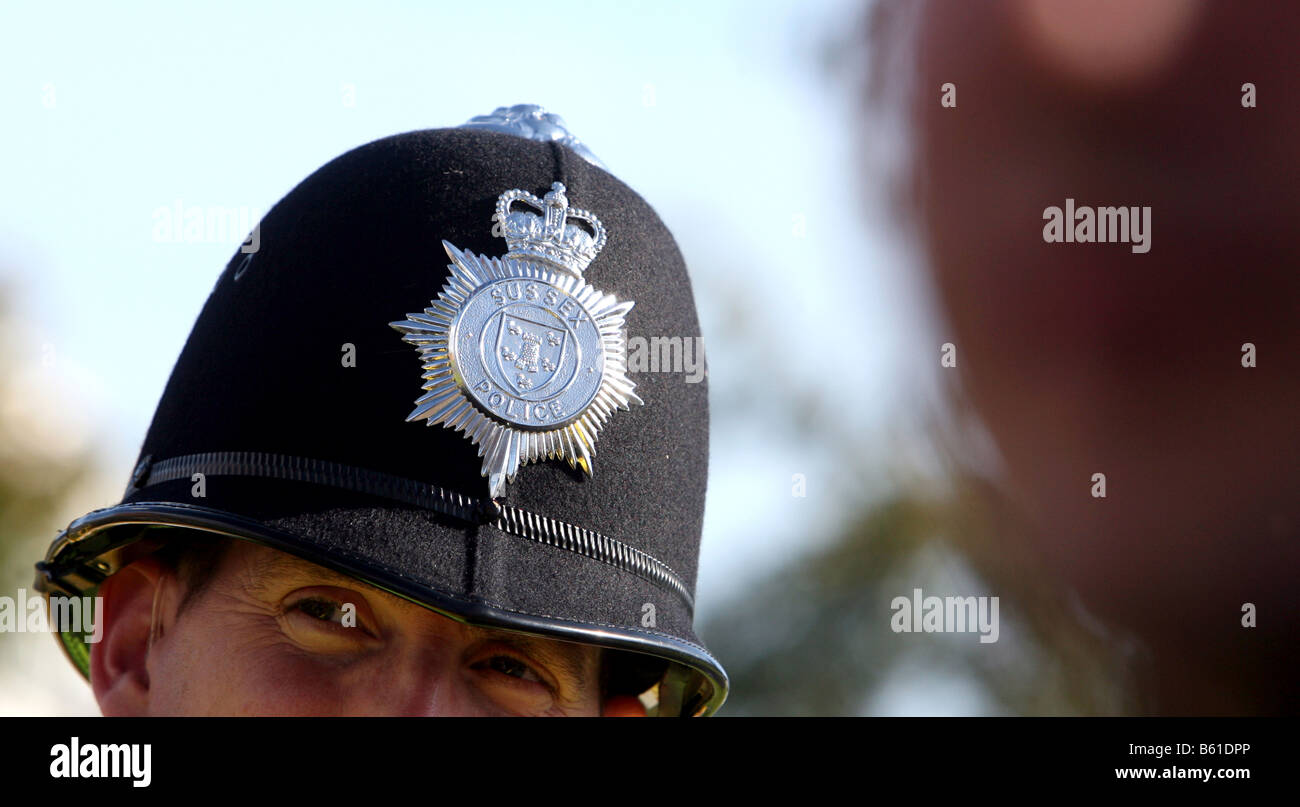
(1096, 358)
(270, 634)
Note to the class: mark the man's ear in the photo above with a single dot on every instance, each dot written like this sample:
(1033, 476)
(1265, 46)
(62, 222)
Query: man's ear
(140, 603)
(623, 706)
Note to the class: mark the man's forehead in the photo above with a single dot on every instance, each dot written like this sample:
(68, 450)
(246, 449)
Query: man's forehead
(264, 566)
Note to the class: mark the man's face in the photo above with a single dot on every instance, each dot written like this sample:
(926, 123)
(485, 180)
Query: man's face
(271, 634)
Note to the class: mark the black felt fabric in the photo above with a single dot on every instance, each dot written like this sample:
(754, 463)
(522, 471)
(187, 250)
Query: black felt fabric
(356, 246)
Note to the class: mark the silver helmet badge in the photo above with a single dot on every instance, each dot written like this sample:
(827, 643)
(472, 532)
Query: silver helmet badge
(520, 353)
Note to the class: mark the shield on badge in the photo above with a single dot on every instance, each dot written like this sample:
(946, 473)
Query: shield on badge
(528, 353)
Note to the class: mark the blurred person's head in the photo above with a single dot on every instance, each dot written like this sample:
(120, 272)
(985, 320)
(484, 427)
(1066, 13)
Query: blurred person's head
(1095, 358)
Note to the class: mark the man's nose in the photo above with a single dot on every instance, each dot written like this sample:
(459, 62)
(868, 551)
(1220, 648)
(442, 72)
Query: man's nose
(419, 686)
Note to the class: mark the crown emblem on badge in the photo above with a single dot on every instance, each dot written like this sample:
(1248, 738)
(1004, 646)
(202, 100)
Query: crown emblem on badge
(520, 353)
(564, 237)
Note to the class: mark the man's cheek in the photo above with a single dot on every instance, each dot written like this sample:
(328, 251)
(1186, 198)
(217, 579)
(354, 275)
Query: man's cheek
(230, 666)
(289, 683)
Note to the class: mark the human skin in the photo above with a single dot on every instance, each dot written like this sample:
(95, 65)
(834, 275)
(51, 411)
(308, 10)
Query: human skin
(1088, 358)
(267, 636)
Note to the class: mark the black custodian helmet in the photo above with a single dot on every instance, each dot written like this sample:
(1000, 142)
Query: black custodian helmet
(482, 280)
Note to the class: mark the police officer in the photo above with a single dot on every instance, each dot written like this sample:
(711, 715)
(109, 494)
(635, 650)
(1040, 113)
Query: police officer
(401, 465)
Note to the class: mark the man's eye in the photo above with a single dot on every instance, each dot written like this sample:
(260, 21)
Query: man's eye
(509, 665)
(327, 611)
(320, 608)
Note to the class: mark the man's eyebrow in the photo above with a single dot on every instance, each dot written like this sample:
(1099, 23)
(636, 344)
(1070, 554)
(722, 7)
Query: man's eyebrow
(278, 566)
